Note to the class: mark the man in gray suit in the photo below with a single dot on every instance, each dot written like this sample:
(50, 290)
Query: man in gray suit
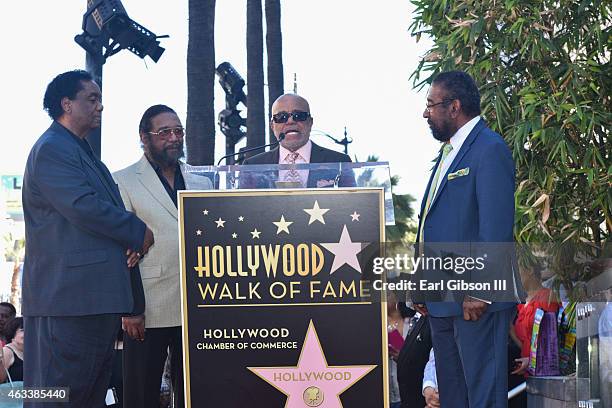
(149, 188)
(82, 247)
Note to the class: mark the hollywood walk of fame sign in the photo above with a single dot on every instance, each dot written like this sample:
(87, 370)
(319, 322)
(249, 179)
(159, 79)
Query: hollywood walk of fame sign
(277, 310)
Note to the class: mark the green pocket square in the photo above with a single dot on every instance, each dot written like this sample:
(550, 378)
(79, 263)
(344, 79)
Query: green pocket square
(459, 173)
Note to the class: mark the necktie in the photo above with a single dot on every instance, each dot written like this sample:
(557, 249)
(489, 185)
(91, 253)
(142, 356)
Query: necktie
(292, 174)
(446, 149)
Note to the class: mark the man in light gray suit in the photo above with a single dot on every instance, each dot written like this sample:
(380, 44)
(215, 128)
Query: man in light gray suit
(149, 188)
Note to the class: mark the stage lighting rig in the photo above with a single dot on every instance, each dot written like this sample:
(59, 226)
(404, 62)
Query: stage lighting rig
(107, 27)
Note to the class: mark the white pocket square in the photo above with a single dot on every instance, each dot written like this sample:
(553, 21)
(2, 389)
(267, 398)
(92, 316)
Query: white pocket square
(459, 173)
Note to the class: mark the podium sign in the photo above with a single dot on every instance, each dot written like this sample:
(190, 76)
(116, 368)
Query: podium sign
(276, 310)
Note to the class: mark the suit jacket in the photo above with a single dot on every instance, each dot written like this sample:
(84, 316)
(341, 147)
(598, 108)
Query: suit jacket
(77, 233)
(144, 194)
(411, 363)
(475, 207)
(316, 178)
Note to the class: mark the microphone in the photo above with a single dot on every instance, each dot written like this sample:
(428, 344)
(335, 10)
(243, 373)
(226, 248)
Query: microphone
(281, 137)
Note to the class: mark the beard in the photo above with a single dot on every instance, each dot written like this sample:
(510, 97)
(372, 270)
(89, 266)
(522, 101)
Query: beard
(168, 156)
(441, 132)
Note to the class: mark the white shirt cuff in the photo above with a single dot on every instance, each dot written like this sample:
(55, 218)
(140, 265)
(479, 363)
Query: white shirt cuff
(488, 302)
(428, 383)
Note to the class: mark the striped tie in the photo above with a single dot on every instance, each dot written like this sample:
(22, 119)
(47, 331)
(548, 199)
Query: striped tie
(433, 188)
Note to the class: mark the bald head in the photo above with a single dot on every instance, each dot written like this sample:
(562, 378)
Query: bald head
(297, 132)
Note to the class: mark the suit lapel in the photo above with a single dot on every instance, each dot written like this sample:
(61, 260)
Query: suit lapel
(464, 148)
(424, 200)
(104, 180)
(150, 181)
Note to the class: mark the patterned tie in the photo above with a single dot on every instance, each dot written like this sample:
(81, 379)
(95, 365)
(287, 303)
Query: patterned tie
(446, 149)
(292, 174)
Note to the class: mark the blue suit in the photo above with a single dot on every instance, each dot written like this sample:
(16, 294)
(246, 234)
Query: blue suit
(76, 282)
(477, 207)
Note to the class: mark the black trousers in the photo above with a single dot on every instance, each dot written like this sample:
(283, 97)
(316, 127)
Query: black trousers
(143, 366)
(74, 352)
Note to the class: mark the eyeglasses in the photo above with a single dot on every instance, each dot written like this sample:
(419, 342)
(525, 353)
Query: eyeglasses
(283, 117)
(179, 132)
(444, 101)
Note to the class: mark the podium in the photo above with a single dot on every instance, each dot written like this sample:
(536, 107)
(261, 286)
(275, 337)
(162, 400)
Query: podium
(276, 302)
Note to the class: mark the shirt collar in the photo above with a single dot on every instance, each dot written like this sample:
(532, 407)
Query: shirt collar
(303, 151)
(462, 134)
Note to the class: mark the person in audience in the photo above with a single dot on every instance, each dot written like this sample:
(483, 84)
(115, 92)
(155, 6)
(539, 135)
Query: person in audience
(11, 357)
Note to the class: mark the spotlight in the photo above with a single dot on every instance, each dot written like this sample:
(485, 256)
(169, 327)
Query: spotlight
(232, 83)
(116, 31)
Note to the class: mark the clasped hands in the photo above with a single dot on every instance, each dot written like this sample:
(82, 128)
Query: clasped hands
(135, 256)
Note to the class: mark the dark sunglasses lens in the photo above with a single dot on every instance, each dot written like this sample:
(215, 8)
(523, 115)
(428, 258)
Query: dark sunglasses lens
(280, 117)
(300, 116)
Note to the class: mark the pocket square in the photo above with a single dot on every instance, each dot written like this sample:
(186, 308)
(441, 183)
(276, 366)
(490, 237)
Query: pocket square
(459, 173)
(325, 183)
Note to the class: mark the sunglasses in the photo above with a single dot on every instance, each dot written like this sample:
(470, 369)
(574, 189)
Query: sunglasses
(179, 132)
(283, 117)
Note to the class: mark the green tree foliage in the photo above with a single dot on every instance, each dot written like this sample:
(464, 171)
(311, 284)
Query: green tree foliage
(545, 76)
(405, 226)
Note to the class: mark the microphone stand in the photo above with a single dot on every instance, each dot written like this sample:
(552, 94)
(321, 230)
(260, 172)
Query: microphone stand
(280, 139)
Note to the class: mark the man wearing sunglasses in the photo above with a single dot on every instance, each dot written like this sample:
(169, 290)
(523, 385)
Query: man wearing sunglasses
(291, 117)
(149, 189)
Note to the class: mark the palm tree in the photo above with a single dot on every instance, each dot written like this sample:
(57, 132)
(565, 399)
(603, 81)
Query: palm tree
(256, 127)
(200, 83)
(274, 47)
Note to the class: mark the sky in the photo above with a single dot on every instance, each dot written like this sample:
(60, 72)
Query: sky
(352, 59)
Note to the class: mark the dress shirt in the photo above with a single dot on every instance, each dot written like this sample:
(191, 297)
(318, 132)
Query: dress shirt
(456, 141)
(304, 157)
(429, 374)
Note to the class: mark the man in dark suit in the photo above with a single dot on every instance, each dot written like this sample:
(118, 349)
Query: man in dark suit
(411, 362)
(82, 249)
(291, 117)
(469, 198)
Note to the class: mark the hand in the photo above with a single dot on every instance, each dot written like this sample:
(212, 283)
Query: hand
(133, 258)
(432, 398)
(149, 240)
(473, 309)
(134, 326)
(393, 353)
(421, 308)
(521, 365)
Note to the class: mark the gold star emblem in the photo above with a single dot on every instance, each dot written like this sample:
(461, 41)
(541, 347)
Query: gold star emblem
(316, 213)
(282, 225)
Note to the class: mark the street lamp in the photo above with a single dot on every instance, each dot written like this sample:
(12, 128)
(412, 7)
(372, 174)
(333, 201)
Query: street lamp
(344, 142)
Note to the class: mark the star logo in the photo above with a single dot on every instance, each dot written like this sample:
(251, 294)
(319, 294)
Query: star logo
(199, 232)
(220, 223)
(241, 218)
(255, 233)
(316, 213)
(205, 212)
(282, 225)
(355, 216)
(345, 252)
(312, 382)
(234, 235)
